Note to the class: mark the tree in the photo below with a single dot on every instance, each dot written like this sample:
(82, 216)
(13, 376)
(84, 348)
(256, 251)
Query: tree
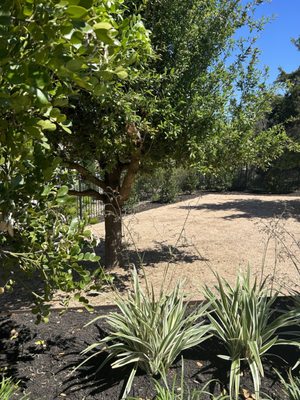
(50, 49)
(179, 106)
(282, 175)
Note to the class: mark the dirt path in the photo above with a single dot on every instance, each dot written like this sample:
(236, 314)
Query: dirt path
(215, 232)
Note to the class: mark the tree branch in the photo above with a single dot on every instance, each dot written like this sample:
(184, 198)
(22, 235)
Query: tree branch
(130, 175)
(89, 192)
(86, 174)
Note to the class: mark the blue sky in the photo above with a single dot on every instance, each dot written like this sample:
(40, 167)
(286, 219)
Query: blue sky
(277, 50)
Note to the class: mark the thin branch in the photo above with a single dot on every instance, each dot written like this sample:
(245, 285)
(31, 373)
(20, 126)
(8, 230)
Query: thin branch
(89, 192)
(86, 174)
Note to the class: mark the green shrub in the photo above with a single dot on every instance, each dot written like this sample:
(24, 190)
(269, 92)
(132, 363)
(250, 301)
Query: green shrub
(188, 180)
(132, 202)
(169, 189)
(149, 333)
(243, 318)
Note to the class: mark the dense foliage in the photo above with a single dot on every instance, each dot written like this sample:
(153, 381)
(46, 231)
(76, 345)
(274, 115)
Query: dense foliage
(50, 50)
(195, 102)
(282, 175)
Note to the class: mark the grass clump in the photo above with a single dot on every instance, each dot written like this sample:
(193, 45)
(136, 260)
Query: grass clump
(291, 386)
(9, 388)
(244, 320)
(149, 333)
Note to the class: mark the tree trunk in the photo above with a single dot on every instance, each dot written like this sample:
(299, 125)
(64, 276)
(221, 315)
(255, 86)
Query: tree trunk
(116, 194)
(113, 234)
(113, 219)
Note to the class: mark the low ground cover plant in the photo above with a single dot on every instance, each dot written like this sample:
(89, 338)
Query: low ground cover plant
(291, 386)
(8, 388)
(148, 332)
(244, 320)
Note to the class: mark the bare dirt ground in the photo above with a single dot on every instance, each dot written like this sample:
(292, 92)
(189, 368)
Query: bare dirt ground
(193, 239)
(223, 233)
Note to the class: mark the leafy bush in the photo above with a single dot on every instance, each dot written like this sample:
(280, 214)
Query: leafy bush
(132, 202)
(8, 388)
(169, 189)
(188, 180)
(149, 333)
(244, 320)
(41, 245)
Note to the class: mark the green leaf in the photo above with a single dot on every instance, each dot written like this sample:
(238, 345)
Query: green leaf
(61, 102)
(107, 75)
(46, 125)
(86, 3)
(122, 74)
(76, 12)
(103, 31)
(82, 3)
(105, 26)
(100, 89)
(46, 191)
(63, 191)
(74, 65)
(42, 97)
(73, 226)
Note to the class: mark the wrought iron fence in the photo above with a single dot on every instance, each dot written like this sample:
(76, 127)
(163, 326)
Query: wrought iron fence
(86, 205)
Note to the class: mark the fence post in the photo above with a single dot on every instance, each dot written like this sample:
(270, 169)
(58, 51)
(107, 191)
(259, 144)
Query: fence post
(80, 201)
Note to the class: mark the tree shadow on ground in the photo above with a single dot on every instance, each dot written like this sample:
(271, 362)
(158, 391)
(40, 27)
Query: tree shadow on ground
(20, 296)
(160, 253)
(89, 378)
(12, 340)
(253, 208)
(93, 380)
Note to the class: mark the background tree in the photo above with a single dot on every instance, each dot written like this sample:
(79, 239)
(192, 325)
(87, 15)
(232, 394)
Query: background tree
(283, 174)
(196, 103)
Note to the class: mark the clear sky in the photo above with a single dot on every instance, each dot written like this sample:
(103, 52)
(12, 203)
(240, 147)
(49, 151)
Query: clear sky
(277, 50)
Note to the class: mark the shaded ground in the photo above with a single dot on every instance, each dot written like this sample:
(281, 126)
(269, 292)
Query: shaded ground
(187, 240)
(43, 357)
(217, 232)
(192, 239)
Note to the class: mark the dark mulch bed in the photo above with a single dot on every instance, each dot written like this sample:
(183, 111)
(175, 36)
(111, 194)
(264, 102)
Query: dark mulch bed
(42, 356)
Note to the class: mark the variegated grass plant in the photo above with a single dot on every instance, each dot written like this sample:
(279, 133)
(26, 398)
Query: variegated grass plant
(8, 389)
(291, 386)
(244, 320)
(148, 332)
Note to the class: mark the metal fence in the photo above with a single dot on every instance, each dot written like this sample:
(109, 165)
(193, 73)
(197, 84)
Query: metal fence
(86, 205)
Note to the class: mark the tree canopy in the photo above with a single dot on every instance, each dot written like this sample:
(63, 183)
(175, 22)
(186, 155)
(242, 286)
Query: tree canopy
(196, 101)
(108, 88)
(50, 50)
(282, 175)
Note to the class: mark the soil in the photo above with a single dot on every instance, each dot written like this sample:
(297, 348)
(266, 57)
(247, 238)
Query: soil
(191, 239)
(42, 357)
(195, 238)
(222, 233)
